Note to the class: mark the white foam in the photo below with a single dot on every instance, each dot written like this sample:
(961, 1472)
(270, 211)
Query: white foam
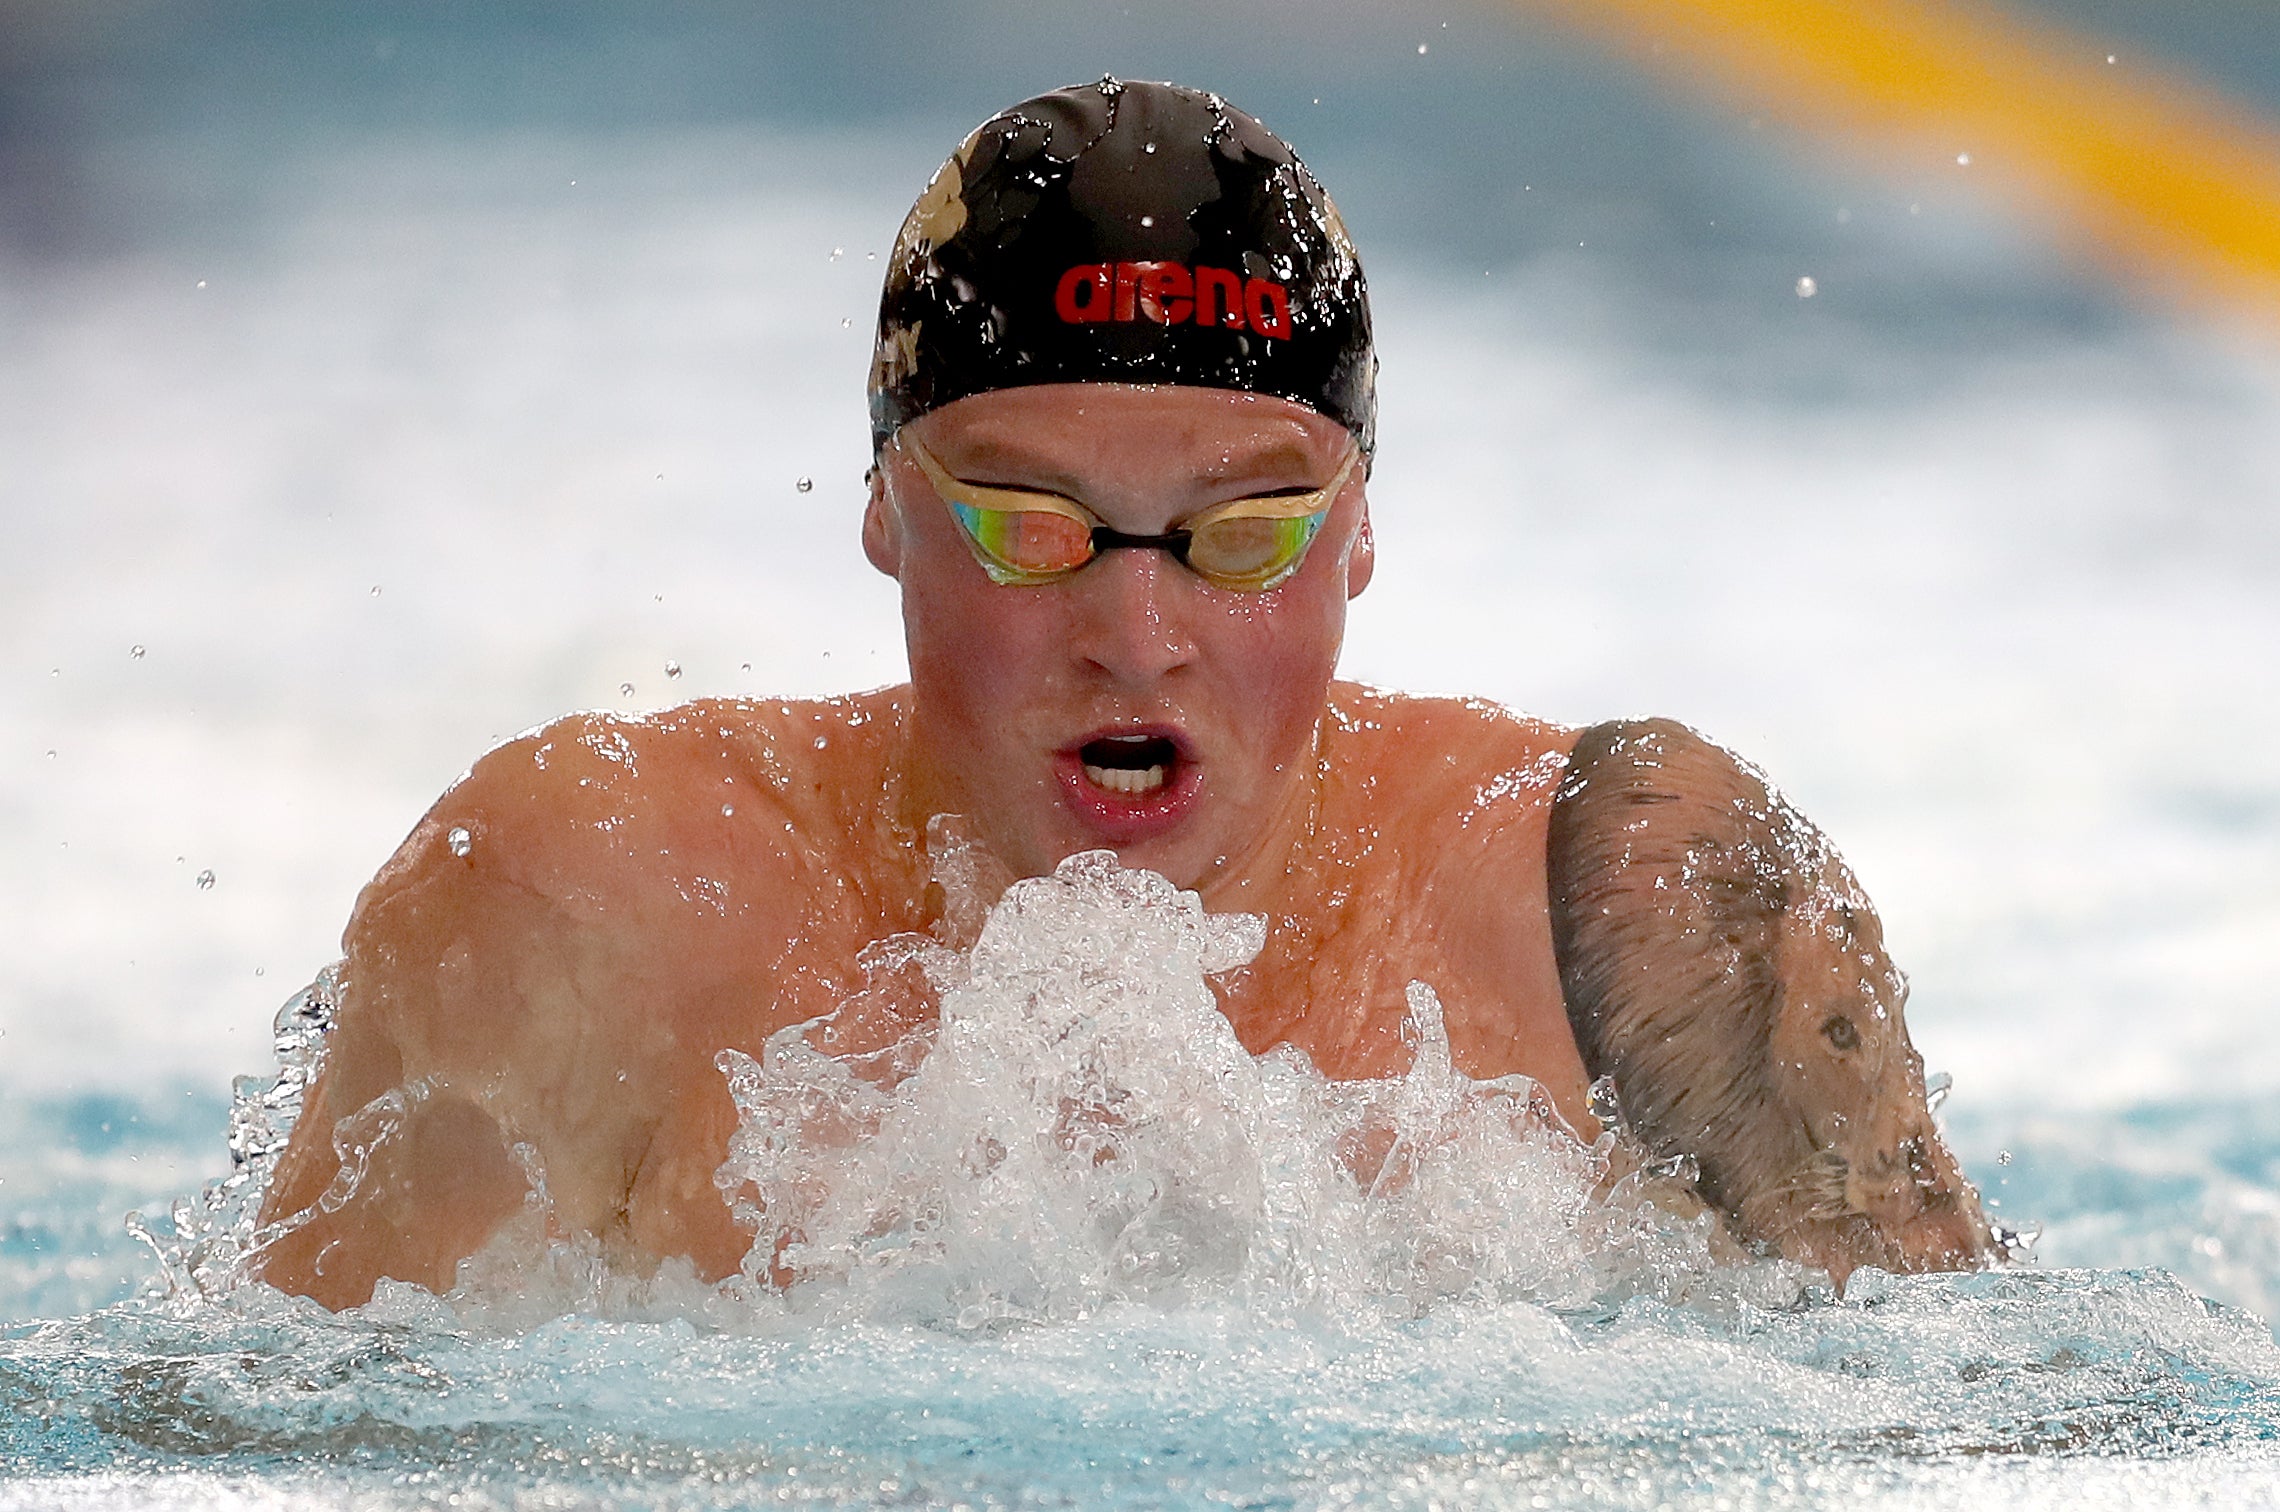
(1078, 1127)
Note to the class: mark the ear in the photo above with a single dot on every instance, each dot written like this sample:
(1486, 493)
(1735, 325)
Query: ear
(882, 525)
(1362, 560)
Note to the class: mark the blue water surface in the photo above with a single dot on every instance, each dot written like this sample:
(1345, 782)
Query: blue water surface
(2102, 1380)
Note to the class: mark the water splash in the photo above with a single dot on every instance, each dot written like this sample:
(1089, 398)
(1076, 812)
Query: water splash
(1077, 1126)
(1054, 1121)
(217, 1234)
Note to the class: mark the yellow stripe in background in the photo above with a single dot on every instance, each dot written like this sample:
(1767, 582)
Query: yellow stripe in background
(2165, 183)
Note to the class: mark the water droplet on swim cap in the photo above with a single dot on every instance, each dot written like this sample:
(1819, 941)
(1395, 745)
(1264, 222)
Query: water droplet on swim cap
(1124, 233)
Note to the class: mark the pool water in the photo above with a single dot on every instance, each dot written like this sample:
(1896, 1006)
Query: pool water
(1090, 1252)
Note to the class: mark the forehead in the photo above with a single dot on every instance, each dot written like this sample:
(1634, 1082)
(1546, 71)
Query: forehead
(1076, 431)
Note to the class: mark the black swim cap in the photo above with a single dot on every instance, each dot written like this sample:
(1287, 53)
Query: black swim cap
(1124, 233)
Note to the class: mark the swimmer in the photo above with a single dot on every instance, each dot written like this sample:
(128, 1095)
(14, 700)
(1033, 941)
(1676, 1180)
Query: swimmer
(1123, 410)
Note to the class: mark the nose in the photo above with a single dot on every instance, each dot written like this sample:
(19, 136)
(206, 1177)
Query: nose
(1129, 619)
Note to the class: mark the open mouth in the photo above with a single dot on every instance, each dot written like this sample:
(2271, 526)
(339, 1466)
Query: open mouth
(1133, 765)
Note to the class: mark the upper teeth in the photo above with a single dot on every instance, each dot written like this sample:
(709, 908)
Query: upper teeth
(1117, 780)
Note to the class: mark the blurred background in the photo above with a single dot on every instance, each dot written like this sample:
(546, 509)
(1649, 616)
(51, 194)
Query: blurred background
(380, 379)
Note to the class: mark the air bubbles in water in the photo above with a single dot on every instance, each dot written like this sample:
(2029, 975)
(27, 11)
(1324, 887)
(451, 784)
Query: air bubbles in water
(459, 840)
(206, 880)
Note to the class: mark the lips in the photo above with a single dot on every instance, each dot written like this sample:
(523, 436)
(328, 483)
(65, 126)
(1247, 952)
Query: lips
(1127, 785)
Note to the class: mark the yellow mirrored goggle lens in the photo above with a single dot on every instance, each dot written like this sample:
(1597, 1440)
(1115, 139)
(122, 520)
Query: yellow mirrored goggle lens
(1027, 537)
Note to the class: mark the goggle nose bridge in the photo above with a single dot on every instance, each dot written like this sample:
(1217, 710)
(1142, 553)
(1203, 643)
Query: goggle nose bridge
(1109, 538)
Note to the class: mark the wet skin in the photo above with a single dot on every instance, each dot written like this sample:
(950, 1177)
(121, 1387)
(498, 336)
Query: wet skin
(637, 894)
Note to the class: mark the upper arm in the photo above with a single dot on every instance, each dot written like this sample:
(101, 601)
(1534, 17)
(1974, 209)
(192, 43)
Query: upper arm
(532, 984)
(1721, 963)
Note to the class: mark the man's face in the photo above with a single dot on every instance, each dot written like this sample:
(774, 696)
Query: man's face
(1131, 706)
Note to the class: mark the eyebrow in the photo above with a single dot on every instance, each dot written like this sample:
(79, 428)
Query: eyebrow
(994, 463)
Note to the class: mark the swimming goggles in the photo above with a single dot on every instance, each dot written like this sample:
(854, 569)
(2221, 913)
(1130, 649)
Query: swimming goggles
(1026, 536)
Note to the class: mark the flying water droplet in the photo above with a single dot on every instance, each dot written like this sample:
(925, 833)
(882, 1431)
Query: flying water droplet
(1602, 1102)
(136, 652)
(672, 669)
(1807, 288)
(805, 485)
(728, 811)
(1936, 1088)
(625, 690)
(460, 841)
(375, 590)
(206, 880)
(2002, 1157)
(1420, 49)
(1963, 160)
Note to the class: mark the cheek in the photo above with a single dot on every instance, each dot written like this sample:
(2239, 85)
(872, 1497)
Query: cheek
(977, 651)
(1277, 660)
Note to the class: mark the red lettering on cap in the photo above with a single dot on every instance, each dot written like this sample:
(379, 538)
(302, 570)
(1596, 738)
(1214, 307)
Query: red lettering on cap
(1170, 293)
(1218, 298)
(1084, 292)
(1164, 291)
(1268, 305)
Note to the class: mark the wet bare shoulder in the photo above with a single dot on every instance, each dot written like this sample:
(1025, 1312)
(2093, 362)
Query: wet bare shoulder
(1722, 965)
(541, 975)
(1462, 757)
(1461, 790)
